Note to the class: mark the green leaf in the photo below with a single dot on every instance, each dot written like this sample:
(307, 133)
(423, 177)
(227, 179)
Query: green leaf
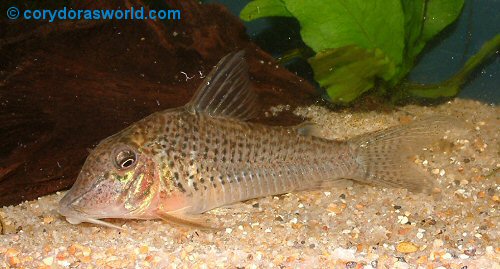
(438, 15)
(360, 41)
(348, 72)
(423, 20)
(327, 24)
(264, 8)
(414, 20)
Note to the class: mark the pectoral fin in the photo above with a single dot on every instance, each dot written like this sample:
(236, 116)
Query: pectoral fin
(191, 221)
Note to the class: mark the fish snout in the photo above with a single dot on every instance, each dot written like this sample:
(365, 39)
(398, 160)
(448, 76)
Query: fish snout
(66, 209)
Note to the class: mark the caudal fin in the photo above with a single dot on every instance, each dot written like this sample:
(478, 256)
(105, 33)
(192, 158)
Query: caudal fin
(383, 156)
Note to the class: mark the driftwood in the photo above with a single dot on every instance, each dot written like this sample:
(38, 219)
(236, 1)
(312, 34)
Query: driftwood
(66, 85)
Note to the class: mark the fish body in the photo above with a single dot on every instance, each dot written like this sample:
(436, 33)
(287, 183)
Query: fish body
(181, 162)
(211, 162)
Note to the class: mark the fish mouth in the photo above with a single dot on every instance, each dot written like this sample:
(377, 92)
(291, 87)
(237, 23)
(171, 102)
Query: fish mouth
(75, 216)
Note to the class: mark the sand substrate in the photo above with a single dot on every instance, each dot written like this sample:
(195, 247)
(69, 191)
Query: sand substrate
(350, 226)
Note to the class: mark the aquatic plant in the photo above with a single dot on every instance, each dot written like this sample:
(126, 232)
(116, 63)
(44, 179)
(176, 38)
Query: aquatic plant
(371, 45)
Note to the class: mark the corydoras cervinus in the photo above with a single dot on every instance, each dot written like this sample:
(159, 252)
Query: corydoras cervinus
(178, 163)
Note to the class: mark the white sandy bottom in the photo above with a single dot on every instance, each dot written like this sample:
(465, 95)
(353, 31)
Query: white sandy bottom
(351, 226)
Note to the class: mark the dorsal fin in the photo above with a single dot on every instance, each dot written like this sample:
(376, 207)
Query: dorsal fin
(226, 92)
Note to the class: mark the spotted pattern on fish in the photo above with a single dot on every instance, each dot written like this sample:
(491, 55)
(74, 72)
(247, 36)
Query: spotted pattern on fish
(216, 161)
(181, 162)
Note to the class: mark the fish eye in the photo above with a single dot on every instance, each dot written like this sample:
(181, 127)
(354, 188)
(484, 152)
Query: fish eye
(125, 158)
